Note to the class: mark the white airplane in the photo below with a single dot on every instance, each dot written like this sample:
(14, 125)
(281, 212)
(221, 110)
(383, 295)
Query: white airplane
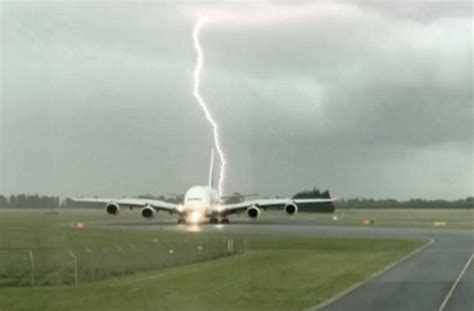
(203, 202)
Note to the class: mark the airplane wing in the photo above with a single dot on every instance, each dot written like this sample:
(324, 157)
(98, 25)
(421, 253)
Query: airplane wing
(270, 204)
(129, 202)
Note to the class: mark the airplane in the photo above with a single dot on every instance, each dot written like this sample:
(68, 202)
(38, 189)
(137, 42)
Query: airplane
(204, 202)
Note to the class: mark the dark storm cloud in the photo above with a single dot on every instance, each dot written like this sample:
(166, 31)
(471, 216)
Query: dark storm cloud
(413, 89)
(365, 98)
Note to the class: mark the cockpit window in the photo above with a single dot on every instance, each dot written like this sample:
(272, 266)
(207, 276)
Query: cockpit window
(194, 199)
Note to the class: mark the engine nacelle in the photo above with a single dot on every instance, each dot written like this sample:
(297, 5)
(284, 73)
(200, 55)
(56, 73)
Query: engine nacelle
(112, 208)
(253, 212)
(291, 208)
(148, 212)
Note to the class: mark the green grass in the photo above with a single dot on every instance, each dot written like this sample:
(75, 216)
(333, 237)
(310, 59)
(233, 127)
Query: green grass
(41, 248)
(419, 218)
(275, 273)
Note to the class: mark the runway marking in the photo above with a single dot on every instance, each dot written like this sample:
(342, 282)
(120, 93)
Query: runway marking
(372, 276)
(455, 284)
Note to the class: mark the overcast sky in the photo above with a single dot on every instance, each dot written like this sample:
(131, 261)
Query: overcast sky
(368, 99)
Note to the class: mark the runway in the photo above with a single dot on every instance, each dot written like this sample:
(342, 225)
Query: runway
(438, 277)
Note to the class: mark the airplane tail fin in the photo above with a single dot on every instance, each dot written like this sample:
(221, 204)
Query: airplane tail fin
(211, 170)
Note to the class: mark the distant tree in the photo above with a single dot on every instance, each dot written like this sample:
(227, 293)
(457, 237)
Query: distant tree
(312, 194)
(236, 197)
(467, 203)
(174, 198)
(12, 201)
(149, 196)
(38, 201)
(315, 207)
(326, 194)
(29, 201)
(3, 201)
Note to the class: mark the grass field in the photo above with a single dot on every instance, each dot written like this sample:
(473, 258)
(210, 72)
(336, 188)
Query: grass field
(274, 273)
(40, 248)
(439, 218)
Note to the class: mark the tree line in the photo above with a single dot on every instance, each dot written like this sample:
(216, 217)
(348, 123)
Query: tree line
(40, 201)
(313, 194)
(387, 203)
(466, 203)
(29, 201)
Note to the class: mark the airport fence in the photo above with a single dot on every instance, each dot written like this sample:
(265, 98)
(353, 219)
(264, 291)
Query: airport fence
(71, 266)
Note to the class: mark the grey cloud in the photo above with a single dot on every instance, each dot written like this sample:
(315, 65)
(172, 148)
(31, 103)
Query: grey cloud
(97, 100)
(421, 10)
(414, 89)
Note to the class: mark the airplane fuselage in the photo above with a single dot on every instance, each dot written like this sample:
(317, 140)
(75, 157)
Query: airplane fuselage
(200, 202)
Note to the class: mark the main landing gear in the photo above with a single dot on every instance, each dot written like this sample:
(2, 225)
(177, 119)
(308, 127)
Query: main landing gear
(182, 221)
(214, 220)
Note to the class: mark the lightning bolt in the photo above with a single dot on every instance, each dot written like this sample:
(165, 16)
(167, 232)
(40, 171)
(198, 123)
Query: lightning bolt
(196, 92)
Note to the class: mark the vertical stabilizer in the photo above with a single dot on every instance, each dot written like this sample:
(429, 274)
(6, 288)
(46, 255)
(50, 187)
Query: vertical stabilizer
(211, 169)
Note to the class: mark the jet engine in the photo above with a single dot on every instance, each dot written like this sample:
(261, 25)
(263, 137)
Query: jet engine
(112, 208)
(253, 212)
(291, 208)
(148, 212)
